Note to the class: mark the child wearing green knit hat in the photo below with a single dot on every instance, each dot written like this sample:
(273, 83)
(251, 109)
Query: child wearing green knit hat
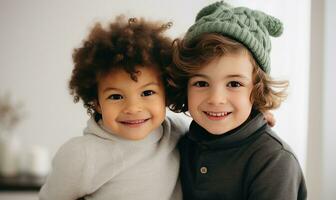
(230, 152)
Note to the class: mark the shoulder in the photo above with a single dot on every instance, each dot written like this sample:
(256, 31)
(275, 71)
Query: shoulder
(82, 150)
(273, 164)
(269, 149)
(79, 144)
(86, 155)
(90, 150)
(178, 122)
(274, 144)
(71, 152)
(69, 167)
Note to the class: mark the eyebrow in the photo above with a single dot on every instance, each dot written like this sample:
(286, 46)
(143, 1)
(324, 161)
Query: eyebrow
(143, 86)
(150, 83)
(237, 76)
(228, 76)
(199, 75)
(109, 88)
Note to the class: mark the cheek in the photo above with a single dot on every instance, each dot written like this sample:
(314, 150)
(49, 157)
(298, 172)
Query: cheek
(190, 97)
(158, 114)
(243, 102)
(159, 109)
(244, 95)
(109, 112)
(194, 99)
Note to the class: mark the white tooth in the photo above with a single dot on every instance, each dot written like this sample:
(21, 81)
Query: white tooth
(219, 114)
(136, 122)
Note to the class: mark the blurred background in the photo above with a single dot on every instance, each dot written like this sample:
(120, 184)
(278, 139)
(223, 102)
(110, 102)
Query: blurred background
(37, 114)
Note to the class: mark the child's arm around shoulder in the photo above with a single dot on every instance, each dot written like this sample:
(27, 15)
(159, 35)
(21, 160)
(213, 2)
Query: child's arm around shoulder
(67, 178)
(179, 121)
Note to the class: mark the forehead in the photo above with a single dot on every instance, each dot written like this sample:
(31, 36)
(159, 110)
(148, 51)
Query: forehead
(120, 76)
(230, 64)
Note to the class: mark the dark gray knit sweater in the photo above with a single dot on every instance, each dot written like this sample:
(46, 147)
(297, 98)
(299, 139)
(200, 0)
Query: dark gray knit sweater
(250, 162)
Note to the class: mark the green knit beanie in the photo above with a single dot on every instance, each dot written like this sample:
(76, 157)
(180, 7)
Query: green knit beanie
(249, 27)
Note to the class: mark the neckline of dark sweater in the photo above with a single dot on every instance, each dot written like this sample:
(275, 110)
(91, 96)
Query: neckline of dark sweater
(244, 133)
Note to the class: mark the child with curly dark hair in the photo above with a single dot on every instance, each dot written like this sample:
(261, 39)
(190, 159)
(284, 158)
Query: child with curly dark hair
(128, 150)
(223, 62)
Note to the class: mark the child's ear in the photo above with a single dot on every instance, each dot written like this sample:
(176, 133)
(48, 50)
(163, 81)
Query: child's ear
(97, 107)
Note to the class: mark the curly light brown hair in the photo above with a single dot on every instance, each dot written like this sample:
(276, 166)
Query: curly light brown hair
(124, 44)
(188, 58)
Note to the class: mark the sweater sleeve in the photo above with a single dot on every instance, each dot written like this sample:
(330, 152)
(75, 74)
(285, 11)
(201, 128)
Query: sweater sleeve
(66, 180)
(277, 177)
(179, 121)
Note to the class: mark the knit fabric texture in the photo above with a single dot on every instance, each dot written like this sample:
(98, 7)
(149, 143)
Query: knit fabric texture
(252, 28)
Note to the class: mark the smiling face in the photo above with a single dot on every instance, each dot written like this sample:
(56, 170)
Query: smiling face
(219, 93)
(131, 109)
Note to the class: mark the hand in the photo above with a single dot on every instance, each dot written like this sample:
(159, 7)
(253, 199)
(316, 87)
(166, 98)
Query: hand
(269, 118)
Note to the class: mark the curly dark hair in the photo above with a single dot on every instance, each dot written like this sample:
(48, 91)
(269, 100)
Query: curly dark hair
(266, 94)
(124, 44)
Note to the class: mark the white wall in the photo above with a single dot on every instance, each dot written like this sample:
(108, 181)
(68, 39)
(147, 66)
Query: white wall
(329, 103)
(37, 38)
(329, 98)
(321, 162)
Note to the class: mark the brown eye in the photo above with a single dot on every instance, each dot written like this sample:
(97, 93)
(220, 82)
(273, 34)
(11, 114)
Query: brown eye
(234, 84)
(147, 93)
(115, 97)
(201, 84)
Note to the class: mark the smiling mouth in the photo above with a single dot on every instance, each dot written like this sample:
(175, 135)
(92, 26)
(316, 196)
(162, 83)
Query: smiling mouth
(216, 115)
(134, 123)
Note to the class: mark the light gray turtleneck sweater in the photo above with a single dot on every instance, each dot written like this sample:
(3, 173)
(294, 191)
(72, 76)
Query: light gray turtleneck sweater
(102, 166)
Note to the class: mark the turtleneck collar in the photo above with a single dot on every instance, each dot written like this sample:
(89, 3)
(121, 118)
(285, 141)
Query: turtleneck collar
(98, 129)
(237, 136)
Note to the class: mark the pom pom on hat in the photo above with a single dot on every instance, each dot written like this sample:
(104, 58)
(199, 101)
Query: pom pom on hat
(274, 26)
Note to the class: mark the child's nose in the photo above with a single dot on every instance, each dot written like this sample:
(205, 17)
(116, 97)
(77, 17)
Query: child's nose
(216, 96)
(132, 107)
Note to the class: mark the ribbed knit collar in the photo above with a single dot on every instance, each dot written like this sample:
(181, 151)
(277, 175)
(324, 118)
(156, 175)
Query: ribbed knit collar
(243, 133)
(96, 128)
